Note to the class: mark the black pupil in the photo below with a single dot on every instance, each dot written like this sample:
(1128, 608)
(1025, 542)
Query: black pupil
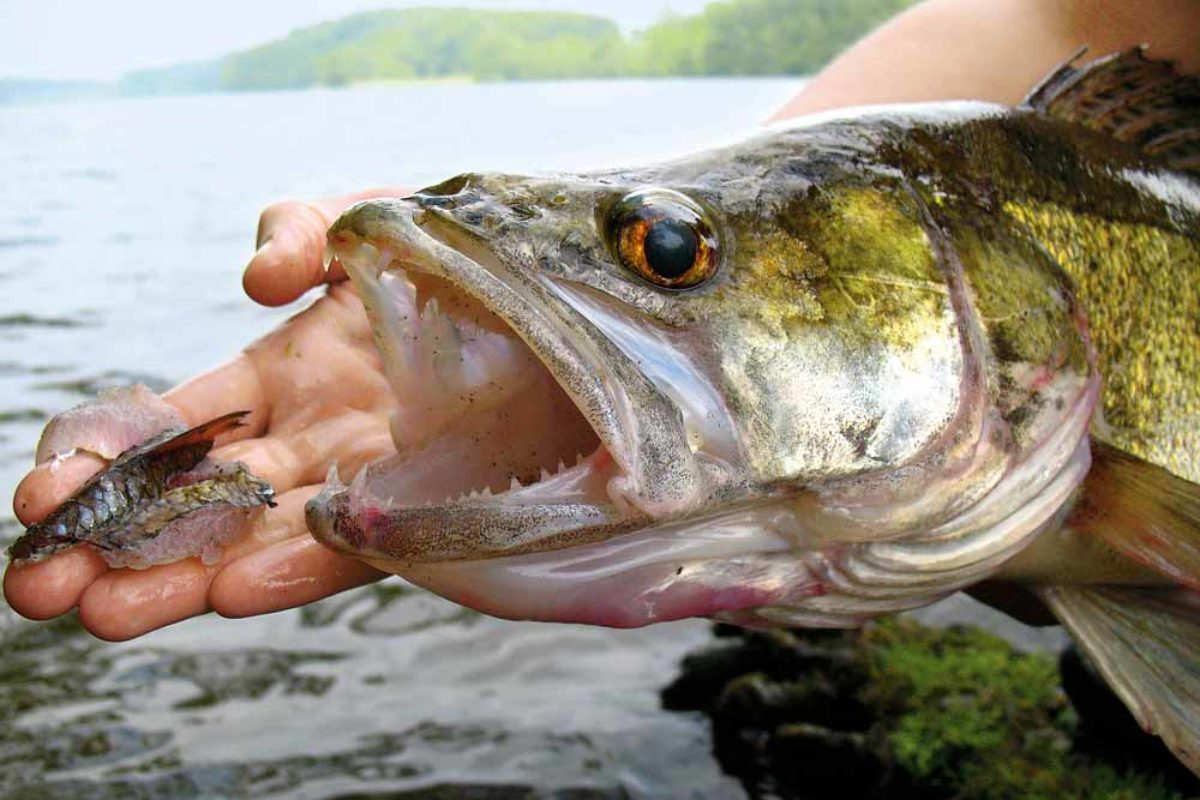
(670, 248)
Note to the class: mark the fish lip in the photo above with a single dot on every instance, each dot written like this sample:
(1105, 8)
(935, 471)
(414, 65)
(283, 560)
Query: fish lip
(550, 328)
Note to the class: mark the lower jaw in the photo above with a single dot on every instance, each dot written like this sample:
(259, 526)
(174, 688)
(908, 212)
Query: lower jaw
(675, 570)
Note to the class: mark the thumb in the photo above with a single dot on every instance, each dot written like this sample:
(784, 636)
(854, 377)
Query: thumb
(291, 246)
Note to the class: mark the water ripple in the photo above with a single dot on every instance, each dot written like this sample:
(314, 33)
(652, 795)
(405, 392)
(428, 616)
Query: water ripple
(91, 385)
(24, 320)
(14, 242)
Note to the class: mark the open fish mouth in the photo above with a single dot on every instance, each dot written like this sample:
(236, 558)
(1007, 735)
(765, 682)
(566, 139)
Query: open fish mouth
(520, 428)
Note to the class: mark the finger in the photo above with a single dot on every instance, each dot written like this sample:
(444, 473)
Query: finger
(125, 603)
(233, 386)
(292, 572)
(45, 589)
(291, 246)
(269, 458)
(49, 483)
(122, 604)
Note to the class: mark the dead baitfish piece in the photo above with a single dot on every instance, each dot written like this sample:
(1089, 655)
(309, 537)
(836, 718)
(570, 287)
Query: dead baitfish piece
(157, 502)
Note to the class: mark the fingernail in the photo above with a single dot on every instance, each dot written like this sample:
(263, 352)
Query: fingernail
(263, 246)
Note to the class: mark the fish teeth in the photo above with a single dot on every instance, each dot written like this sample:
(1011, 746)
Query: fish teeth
(487, 492)
(514, 484)
(561, 467)
(331, 477)
(578, 458)
(545, 475)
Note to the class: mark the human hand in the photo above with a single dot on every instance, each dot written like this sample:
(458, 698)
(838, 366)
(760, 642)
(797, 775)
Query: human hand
(317, 395)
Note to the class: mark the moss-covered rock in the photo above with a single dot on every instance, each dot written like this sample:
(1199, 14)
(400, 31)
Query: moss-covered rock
(901, 710)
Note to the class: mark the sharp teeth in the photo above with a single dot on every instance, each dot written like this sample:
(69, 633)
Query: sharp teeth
(561, 466)
(514, 484)
(328, 256)
(578, 459)
(487, 492)
(331, 477)
(545, 475)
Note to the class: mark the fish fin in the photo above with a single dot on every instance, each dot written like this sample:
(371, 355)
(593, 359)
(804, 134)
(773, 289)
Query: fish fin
(1143, 511)
(1144, 102)
(204, 432)
(1146, 644)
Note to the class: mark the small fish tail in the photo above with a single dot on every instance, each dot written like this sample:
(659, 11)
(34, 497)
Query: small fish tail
(37, 544)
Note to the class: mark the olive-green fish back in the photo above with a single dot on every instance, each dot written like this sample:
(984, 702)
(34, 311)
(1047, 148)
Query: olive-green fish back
(1138, 281)
(1140, 285)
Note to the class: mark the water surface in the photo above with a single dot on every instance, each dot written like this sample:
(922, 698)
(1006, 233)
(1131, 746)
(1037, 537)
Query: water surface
(124, 226)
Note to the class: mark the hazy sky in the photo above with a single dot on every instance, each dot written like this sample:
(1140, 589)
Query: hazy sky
(101, 39)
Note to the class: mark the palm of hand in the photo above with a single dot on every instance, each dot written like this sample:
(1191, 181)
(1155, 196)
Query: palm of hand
(318, 395)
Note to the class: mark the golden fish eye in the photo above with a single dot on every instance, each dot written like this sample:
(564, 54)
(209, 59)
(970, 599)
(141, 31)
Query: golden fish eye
(664, 238)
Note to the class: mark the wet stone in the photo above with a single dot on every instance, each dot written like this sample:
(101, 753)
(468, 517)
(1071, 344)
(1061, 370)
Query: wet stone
(901, 711)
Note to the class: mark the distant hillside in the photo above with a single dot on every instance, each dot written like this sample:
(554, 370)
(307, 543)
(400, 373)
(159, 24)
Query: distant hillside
(757, 37)
(196, 76)
(35, 91)
(418, 43)
(734, 37)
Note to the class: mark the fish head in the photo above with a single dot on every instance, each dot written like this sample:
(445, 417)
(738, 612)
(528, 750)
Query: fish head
(640, 395)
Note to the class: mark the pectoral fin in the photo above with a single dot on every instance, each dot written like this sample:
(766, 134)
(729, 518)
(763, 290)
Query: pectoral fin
(1142, 511)
(1146, 643)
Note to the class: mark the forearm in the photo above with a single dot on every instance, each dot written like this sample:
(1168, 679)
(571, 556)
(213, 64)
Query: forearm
(993, 49)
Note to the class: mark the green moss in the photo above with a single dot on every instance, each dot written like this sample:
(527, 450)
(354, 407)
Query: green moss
(901, 711)
(973, 717)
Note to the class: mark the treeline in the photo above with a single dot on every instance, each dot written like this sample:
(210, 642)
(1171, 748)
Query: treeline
(735, 37)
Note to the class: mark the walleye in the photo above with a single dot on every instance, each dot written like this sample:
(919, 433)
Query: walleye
(843, 369)
(156, 502)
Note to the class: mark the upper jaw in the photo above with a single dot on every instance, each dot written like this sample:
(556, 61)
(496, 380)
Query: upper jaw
(642, 470)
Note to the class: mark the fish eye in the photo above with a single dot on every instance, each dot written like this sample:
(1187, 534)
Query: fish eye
(664, 237)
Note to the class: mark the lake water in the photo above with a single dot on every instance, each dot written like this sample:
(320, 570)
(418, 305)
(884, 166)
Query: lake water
(124, 226)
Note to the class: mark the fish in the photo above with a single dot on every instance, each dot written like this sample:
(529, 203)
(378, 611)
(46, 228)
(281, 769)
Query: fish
(155, 502)
(842, 369)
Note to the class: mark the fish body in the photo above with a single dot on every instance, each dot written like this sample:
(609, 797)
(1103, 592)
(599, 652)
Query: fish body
(156, 502)
(839, 370)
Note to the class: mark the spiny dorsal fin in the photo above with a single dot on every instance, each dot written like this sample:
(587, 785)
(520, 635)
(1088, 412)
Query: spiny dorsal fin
(1134, 99)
